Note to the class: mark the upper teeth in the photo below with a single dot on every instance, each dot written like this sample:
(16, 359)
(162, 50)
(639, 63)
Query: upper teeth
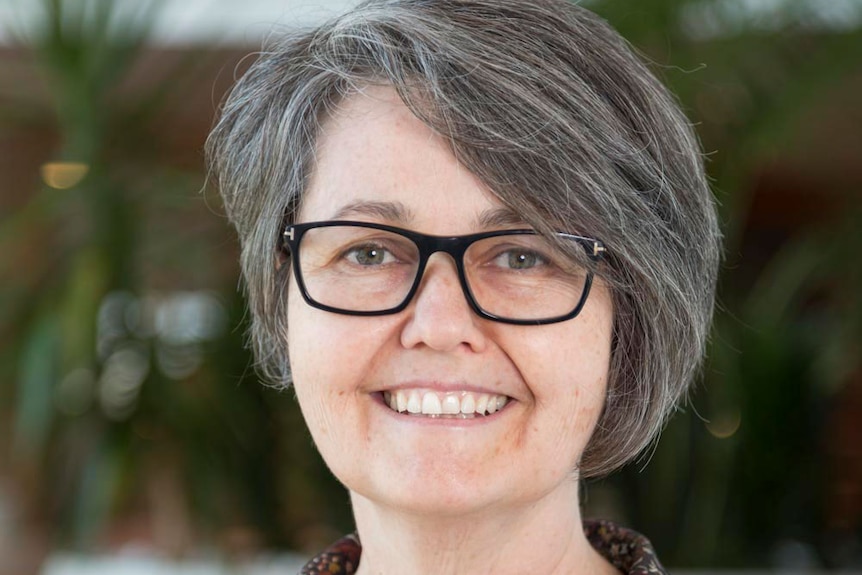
(464, 403)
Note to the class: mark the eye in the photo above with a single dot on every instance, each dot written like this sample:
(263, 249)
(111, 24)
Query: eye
(369, 255)
(519, 259)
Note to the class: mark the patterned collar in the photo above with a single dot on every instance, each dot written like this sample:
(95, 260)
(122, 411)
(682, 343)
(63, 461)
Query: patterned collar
(627, 550)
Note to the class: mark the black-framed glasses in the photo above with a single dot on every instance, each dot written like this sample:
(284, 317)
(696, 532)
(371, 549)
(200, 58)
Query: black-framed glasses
(366, 269)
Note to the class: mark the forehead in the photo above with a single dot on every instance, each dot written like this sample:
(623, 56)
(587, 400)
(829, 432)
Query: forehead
(373, 151)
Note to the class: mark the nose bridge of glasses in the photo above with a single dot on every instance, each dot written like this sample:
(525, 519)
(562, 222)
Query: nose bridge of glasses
(453, 247)
(440, 290)
(436, 263)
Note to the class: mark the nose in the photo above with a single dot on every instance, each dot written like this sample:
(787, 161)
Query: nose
(440, 316)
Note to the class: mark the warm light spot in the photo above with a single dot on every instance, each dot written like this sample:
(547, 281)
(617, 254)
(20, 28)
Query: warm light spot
(726, 424)
(63, 175)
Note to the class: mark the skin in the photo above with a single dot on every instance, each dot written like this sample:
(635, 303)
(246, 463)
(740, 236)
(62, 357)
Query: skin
(497, 494)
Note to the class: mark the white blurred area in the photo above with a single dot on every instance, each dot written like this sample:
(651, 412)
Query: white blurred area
(134, 563)
(247, 22)
(190, 22)
(163, 331)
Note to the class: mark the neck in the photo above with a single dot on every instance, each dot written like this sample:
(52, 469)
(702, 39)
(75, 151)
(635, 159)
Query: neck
(543, 537)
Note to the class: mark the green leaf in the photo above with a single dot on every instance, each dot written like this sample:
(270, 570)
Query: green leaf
(34, 410)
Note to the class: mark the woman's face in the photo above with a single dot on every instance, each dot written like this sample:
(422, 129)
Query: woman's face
(376, 162)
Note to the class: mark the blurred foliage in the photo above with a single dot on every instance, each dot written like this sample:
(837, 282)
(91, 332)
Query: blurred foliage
(191, 436)
(130, 397)
(740, 472)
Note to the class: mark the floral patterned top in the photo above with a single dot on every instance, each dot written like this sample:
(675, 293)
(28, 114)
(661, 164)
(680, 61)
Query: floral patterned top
(627, 550)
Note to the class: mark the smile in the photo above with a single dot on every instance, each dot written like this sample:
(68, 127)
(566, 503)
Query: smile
(458, 404)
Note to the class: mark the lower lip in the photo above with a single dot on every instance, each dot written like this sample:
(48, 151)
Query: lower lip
(444, 421)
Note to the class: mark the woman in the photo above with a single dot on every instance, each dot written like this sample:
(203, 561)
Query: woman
(477, 238)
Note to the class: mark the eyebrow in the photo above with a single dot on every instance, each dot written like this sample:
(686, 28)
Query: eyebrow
(389, 211)
(500, 217)
(396, 212)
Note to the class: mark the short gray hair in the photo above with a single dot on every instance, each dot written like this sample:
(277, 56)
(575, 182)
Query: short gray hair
(549, 107)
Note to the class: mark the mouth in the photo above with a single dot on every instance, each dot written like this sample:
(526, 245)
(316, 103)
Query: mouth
(453, 405)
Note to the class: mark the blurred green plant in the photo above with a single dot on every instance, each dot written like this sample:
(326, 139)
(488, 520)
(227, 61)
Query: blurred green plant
(130, 397)
(741, 468)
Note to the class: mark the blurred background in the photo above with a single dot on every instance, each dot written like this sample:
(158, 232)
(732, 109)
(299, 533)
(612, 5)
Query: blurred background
(130, 413)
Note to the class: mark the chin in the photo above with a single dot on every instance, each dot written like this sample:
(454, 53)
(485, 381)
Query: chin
(433, 490)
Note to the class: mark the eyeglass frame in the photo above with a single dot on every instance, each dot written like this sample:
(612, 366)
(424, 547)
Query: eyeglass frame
(428, 245)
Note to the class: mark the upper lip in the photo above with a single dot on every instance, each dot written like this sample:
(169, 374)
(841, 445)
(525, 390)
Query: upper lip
(442, 387)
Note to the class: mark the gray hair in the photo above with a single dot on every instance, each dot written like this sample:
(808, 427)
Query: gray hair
(549, 107)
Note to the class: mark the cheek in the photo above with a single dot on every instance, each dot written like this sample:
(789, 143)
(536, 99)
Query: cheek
(314, 343)
(334, 352)
(323, 403)
(589, 362)
(565, 367)
(312, 368)
(589, 365)
(570, 361)
(331, 357)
